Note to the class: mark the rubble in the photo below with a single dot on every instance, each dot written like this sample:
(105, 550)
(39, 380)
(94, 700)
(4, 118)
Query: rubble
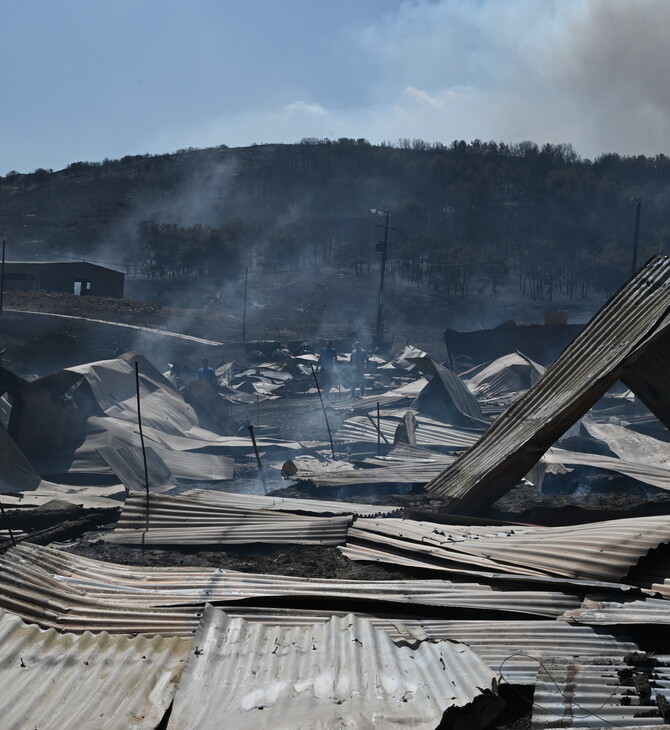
(467, 586)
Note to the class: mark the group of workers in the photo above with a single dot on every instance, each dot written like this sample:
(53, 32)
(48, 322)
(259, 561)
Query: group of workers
(327, 367)
(358, 361)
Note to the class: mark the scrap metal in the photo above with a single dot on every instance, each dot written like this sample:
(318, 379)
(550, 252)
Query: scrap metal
(343, 672)
(631, 323)
(183, 521)
(52, 681)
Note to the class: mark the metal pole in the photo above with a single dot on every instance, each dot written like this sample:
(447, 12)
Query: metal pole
(6, 521)
(382, 276)
(378, 429)
(139, 421)
(244, 311)
(323, 407)
(258, 456)
(638, 205)
(379, 432)
(2, 279)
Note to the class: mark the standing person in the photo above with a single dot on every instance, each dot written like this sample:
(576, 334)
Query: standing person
(207, 373)
(327, 367)
(174, 375)
(358, 361)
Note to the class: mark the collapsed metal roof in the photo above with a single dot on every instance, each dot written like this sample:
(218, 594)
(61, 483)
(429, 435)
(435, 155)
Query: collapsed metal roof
(342, 672)
(593, 611)
(288, 504)
(429, 432)
(623, 340)
(165, 520)
(585, 692)
(52, 681)
(55, 588)
(598, 550)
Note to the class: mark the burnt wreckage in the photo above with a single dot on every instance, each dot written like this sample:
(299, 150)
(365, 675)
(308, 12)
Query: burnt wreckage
(412, 572)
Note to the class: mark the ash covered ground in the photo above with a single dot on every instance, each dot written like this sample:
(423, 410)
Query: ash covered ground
(298, 310)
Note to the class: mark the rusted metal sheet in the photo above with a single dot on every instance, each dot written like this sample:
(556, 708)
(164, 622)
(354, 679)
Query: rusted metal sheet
(52, 681)
(184, 521)
(631, 323)
(599, 550)
(337, 674)
(589, 692)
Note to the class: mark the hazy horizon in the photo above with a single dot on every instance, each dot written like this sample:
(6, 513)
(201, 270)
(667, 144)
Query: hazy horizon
(85, 81)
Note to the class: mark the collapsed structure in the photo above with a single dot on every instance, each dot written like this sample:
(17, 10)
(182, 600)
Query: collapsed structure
(466, 603)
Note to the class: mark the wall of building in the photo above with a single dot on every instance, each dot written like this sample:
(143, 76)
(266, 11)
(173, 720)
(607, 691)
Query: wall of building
(76, 277)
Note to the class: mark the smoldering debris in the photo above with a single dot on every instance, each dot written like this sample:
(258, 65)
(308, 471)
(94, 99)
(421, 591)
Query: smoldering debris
(558, 587)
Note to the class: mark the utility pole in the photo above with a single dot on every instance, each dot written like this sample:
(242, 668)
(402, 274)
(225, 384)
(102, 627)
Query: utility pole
(2, 279)
(638, 206)
(383, 247)
(244, 310)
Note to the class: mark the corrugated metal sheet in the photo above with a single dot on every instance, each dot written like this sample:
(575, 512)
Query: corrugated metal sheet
(34, 594)
(507, 376)
(53, 681)
(622, 329)
(429, 432)
(403, 395)
(588, 692)
(629, 445)
(165, 466)
(338, 674)
(285, 504)
(652, 611)
(409, 471)
(656, 476)
(448, 387)
(647, 377)
(55, 588)
(512, 643)
(184, 521)
(598, 550)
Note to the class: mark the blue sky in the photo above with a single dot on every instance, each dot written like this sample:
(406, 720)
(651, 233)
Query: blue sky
(89, 79)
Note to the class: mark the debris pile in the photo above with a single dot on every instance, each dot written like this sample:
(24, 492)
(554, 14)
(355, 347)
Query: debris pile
(491, 534)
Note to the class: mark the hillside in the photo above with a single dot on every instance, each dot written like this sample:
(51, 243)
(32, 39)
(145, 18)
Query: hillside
(465, 219)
